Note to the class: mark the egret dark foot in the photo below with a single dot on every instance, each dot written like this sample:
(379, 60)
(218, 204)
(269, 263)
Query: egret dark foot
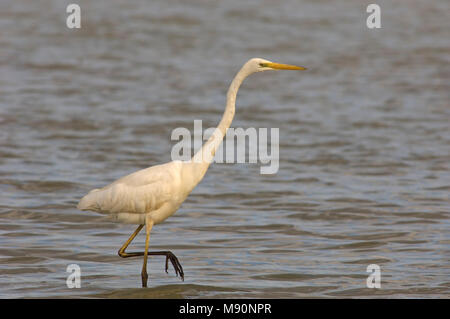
(144, 277)
(174, 261)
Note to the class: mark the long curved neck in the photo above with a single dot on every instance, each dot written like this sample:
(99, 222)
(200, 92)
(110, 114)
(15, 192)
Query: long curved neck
(202, 159)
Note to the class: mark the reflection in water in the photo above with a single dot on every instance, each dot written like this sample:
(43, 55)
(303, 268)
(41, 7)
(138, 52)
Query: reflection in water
(363, 176)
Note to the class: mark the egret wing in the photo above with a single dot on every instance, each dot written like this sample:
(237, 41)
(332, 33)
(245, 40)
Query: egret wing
(140, 192)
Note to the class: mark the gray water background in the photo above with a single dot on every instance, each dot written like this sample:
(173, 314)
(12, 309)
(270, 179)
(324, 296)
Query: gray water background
(364, 146)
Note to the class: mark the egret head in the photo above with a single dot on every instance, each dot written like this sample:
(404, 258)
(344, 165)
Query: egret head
(259, 65)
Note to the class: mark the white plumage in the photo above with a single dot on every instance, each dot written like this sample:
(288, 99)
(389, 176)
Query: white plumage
(157, 191)
(149, 196)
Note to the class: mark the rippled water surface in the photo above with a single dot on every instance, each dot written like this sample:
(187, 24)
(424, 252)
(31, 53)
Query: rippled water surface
(364, 146)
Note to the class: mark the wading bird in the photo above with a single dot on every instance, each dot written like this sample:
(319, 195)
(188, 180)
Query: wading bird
(149, 196)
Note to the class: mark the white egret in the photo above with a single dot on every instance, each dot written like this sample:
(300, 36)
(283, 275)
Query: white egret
(149, 196)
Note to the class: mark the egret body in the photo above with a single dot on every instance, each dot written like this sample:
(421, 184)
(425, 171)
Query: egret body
(149, 196)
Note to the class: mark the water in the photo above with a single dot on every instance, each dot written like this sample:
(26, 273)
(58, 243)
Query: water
(364, 146)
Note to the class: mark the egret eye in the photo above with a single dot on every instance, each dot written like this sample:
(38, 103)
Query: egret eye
(263, 65)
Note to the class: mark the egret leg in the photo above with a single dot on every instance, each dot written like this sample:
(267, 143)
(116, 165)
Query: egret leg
(169, 255)
(148, 228)
(122, 252)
